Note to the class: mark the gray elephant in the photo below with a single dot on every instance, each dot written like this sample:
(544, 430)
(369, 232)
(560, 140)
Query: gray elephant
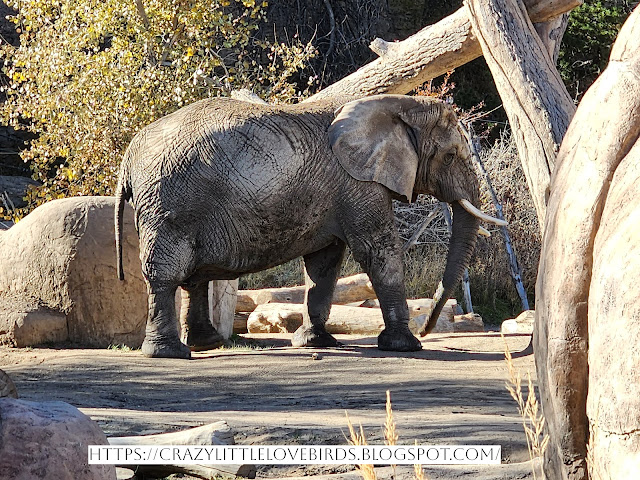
(222, 187)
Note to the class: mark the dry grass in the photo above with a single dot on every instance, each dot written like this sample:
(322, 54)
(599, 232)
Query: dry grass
(390, 438)
(358, 438)
(529, 409)
(390, 434)
(490, 260)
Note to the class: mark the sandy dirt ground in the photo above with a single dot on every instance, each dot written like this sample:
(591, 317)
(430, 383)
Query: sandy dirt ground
(452, 392)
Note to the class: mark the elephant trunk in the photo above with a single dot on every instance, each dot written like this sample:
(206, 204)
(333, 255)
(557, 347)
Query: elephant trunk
(463, 240)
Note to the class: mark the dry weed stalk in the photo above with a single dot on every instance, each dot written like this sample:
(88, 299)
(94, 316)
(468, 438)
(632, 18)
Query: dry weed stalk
(390, 438)
(358, 438)
(390, 435)
(529, 409)
(417, 468)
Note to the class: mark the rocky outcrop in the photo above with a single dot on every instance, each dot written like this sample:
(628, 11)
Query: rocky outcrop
(58, 281)
(48, 440)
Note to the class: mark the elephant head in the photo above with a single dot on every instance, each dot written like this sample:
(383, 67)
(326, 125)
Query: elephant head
(413, 145)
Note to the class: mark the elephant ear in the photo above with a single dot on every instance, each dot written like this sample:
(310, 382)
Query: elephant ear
(374, 142)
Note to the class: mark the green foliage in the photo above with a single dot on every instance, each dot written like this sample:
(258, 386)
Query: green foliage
(586, 45)
(88, 74)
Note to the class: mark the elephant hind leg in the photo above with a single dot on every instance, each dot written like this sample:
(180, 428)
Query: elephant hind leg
(194, 317)
(166, 258)
(162, 338)
(321, 272)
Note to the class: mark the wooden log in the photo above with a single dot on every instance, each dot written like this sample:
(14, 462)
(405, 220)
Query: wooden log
(343, 319)
(417, 306)
(240, 323)
(433, 51)
(605, 126)
(353, 289)
(222, 306)
(125, 474)
(523, 323)
(468, 322)
(275, 318)
(535, 99)
(348, 289)
(218, 433)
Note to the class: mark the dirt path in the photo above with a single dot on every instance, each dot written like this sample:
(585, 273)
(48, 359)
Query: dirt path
(452, 392)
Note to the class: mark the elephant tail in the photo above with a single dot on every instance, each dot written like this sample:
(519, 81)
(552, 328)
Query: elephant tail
(123, 193)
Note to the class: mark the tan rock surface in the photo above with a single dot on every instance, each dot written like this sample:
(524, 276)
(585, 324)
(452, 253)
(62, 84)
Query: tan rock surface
(48, 440)
(58, 279)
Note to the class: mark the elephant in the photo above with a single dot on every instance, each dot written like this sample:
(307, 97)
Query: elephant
(223, 187)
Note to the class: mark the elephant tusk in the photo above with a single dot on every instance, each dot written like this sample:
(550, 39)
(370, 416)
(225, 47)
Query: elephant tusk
(484, 232)
(468, 206)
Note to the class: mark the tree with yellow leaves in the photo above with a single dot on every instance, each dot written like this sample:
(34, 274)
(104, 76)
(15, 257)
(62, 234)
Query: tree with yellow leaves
(88, 74)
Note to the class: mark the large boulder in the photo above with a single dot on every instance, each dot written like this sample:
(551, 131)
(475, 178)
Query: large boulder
(48, 440)
(587, 327)
(613, 398)
(58, 280)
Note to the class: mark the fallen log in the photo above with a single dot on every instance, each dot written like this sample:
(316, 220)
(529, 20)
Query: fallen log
(240, 323)
(218, 433)
(432, 51)
(348, 289)
(468, 322)
(343, 319)
(418, 306)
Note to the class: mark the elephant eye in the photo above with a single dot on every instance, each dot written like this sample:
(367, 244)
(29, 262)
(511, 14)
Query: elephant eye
(448, 159)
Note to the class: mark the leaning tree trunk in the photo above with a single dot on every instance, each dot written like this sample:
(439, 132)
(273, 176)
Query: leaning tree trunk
(536, 101)
(586, 331)
(433, 51)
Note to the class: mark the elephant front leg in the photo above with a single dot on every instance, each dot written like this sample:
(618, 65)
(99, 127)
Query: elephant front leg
(198, 331)
(321, 272)
(162, 338)
(384, 266)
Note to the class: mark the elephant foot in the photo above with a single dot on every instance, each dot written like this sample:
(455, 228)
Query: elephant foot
(398, 341)
(313, 337)
(198, 343)
(159, 350)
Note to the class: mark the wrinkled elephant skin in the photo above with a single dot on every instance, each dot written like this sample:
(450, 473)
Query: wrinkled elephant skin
(222, 187)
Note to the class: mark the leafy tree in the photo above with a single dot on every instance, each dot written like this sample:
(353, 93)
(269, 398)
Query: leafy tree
(88, 74)
(592, 29)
